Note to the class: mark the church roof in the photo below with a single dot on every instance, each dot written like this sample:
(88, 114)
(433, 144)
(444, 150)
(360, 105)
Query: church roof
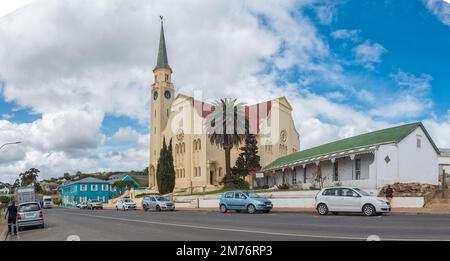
(347, 146)
(254, 113)
(162, 61)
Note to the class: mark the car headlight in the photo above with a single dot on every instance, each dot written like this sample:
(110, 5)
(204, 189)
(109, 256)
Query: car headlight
(382, 201)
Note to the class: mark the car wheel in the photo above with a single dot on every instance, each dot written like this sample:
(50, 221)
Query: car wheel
(251, 209)
(145, 208)
(322, 209)
(158, 208)
(369, 210)
(223, 208)
(123, 208)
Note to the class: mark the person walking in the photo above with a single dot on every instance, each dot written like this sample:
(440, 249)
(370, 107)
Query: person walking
(11, 214)
(389, 193)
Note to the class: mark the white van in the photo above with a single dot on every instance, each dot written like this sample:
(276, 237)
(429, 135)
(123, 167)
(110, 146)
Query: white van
(46, 202)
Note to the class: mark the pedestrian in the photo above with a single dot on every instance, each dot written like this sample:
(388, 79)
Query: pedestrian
(11, 213)
(389, 192)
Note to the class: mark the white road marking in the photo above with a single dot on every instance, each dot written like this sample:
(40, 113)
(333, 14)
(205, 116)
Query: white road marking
(252, 231)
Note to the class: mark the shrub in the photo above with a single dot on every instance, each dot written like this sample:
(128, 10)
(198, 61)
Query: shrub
(57, 201)
(283, 187)
(4, 199)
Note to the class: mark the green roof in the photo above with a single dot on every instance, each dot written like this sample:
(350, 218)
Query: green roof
(386, 136)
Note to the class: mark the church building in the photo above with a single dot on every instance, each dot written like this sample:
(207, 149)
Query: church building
(200, 165)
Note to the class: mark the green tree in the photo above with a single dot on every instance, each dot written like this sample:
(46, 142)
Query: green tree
(225, 128)
(29, 177)
(248, 159)
(165, 170)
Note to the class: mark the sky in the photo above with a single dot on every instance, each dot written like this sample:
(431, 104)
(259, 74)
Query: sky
(75, 76)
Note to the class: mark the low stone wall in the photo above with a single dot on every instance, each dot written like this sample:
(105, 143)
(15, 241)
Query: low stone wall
(288, 199)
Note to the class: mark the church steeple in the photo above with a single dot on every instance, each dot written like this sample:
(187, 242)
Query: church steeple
(162, 61)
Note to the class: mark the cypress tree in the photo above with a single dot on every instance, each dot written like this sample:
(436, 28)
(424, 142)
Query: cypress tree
(165, 170)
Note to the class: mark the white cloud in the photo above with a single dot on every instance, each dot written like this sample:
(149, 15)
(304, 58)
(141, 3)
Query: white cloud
(125, 134)
(368, 54)
(345, 34)
(440, 8)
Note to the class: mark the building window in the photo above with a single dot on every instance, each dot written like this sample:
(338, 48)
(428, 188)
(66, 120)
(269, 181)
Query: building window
(199, 171)
(294, 177)
(199, 144)
(358, 169)
(94, 187)
(101, 198)
(83, 187)
(104, 187)
(419, 143)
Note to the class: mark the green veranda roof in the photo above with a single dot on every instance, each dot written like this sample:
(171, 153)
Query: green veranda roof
(386, 136)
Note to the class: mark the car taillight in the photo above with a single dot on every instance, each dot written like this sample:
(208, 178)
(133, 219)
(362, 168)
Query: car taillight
(41, 215)
(18, 217)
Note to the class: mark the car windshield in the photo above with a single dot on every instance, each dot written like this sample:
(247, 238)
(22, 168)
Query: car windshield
(161, 199)
(127, 200)
(94, 201)
(29, 207)
(362, 192)
(253, 195)
(47, 199)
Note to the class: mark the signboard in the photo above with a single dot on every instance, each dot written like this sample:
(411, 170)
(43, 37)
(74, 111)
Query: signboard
(259, 175)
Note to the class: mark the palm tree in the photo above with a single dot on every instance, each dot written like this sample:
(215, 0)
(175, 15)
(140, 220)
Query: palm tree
(225, 128)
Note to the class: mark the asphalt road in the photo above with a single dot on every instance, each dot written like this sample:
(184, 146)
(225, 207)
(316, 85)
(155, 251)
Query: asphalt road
(200, 226)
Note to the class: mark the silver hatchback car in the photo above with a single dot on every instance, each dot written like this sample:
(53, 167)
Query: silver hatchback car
(157, 203)
(30, 214)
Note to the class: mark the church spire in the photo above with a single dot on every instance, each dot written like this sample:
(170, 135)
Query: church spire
(162, 62)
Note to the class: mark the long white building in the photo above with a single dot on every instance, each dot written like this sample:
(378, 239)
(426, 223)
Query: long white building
(370, 161)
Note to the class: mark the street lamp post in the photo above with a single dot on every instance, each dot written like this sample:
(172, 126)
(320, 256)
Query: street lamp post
(10, 143)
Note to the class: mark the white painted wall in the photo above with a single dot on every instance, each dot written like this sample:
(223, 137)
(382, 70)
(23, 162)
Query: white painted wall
(418, 164)
(386, 172)
(445, 161)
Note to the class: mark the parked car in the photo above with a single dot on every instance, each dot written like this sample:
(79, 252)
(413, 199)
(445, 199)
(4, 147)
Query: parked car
(82, 205)
(30, 215)
(341, 199)
(125, 204)
(157, 203)
(244, 200)
(94, 204)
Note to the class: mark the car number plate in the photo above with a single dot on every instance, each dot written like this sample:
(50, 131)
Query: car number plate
(31, 215)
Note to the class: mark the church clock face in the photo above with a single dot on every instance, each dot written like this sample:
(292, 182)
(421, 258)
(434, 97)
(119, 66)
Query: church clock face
(167, 95)
(155, 96)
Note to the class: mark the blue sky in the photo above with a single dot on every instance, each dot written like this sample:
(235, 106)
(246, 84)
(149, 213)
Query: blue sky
(74, 79)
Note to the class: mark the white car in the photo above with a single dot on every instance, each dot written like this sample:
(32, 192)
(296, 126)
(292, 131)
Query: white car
(125, 204)
(341, 199)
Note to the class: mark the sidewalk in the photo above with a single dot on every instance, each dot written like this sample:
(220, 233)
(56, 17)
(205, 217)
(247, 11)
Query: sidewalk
(3, 226)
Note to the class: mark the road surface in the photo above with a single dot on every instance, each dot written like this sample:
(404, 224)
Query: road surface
(204, 226)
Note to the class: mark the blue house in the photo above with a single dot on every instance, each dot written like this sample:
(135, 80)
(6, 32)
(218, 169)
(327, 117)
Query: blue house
(84, 190)
(118, 191)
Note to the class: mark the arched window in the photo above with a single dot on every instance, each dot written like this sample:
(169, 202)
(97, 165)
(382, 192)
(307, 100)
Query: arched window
(184, 173)
(195, 172)
(199, 144)
(199, 171)
(195, 145)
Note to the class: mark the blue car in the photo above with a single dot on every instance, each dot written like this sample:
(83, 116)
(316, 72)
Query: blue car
(244, 200)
